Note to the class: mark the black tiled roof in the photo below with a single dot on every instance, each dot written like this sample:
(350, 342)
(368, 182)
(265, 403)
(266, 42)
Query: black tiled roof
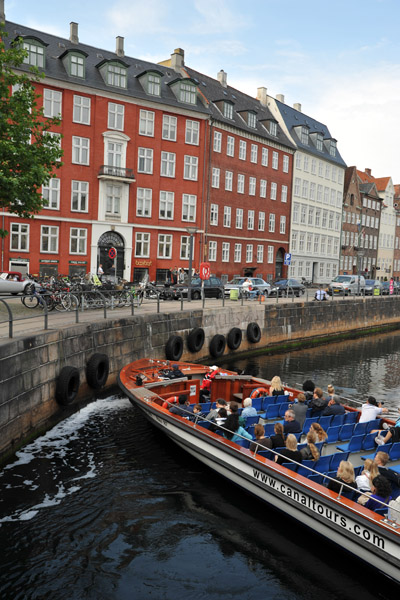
(293, 118)
(214, 91)
(56, 47)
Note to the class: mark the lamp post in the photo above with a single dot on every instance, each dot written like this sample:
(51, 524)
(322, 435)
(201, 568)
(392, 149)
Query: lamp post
(191, 231)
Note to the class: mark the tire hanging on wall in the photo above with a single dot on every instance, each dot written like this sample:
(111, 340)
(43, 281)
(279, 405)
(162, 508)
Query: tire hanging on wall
(67, 385)
(97, 370)
(253, 332)
(195, 339)
(174, 347)
(217, 345)
(234, 338)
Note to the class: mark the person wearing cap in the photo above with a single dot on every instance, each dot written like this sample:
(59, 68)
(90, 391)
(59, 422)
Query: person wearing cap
(334, 407)
(177, 372)
(371, 410)
(205, 387)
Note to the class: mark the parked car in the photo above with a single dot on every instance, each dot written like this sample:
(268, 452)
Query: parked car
(347, 285)
(371, 285)
(13, 282)
(386, 288)
(287, 287)
(257, 284)
(213, 288)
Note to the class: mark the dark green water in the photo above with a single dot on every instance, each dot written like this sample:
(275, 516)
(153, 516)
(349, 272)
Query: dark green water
(105, 507)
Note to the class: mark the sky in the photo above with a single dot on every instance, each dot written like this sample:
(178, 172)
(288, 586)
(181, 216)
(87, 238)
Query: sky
(339, 59)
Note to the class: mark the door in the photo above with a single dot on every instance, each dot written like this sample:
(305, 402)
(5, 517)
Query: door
(108, 240)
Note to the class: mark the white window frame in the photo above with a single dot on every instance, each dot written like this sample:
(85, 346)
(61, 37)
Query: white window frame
(81, 110)
(252, 186)
(216, 172)
(263, 188)
(190, 170)
(271, 223)
(225, 251)
(240, 183)
(146, 122)
(116, 116)
(51, 234)
(227, 216)
(214, 214)
(239, 218)
(228, 181)
(192, 132)
(217, 143)
(51, 193)
(114, 196)
(282, 225)
(144, 202)
(19, 237)
(78, 240)
(285, 165)
(260, 253)
(253, 153)
(275, 160)
(52, 103)
(230, 145)
(242, 149)
(169, 128)
(80, 150)
(79, 196)
(274, 191)
(142, 244)
(237, 257)
(164, 245)
(212, 251)
(189, 202)
(261, 220)
(250, 219)
(249, 253)
(264, 156)
(166, 205)
(167, 164)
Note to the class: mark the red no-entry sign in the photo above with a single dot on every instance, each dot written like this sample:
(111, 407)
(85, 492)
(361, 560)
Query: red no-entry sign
(205, 270)
(112, 253)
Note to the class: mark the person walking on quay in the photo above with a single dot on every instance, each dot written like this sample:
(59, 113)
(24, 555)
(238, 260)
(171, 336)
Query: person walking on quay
(100, 272)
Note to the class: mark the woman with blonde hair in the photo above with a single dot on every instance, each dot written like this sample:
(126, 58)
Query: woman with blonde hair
(344, 475)
(319, 432)
(276, 387)
(370, 471)
(310, 452)
(290, 452)
(331, 390)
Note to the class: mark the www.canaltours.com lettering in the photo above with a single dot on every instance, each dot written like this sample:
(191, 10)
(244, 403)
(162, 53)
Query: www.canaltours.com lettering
(319, 508)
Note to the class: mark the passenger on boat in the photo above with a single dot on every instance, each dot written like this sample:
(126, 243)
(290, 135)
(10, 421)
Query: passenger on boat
(334, 407)
(261, 441)
(197, 413)
(308, 389)
(300, 409)
(278, 439)
(181, 408)
(344, 475)
(213, 414)
(290, 452)
(392, 434)
(370, 471)
(331, 391)
(381, 490)
(276, 388)
(222, 416)
(381, 459)
(233, 431)
(371, 410)
(248, 409)
(310, 452)
(320, 432)
(205, 387)
(176, 372)
(318, 402)
(291, 425)
(394, 510)
(234, 408)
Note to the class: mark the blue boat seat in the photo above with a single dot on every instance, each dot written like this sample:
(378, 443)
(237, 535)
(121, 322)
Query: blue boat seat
(290, 465)
(266, 454)
(307, 424)
(283, 398)
(354, 445)
(325, 422)
(333, 434)
(269, 429)
(360, 429)
(337, 420)
(346, 431)
(322, 464)
(303, 470)
(336, 459)
(257, 403)
(243, 443)
(369, 441)
(394, 452)
(252, 420)
(272, 411)
(351, 417)
(383, 448)
(283, 406)
(267, 401)
(206, 407)
(373, 425)
(317, 478)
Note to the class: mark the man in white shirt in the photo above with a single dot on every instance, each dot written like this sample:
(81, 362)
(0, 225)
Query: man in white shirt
(321, 294)
(371, 410)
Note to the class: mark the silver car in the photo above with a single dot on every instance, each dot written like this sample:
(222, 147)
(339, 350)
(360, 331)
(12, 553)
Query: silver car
(257, 284)
(13, 282)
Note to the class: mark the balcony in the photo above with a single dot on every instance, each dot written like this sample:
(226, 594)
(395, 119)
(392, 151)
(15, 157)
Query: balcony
(118, 173)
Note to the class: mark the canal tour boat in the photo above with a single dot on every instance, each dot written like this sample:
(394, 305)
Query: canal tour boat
(295, 489)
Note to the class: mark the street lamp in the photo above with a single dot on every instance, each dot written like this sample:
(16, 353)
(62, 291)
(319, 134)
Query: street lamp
(191, 231)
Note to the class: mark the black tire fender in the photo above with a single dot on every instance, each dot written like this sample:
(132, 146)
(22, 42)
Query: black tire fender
(217, 345)
(67, 385)
(234, 338)
(195, 339)
(253, 332)
(97, 369)
(174, 347)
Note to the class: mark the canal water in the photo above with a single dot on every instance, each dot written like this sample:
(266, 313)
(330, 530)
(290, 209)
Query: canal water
(104, 507)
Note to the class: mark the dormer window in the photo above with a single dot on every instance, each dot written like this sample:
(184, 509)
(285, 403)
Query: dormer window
(273, 128)
(185, 90)
(151, 82)
(154, 84)
(252, 120)
(114, 73)
(228, 110)
(332, 148)
(74, 63)
(36, 54)
(304, 135)
(319, 142)
(187, 93)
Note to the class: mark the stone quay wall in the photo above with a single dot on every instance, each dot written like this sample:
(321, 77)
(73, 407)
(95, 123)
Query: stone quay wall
(29, 366)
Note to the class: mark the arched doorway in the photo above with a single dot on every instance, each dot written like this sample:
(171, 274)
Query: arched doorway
(108, 240)
(280, 255)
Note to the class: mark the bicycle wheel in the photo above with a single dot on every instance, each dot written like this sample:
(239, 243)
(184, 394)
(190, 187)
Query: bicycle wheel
(30, 301)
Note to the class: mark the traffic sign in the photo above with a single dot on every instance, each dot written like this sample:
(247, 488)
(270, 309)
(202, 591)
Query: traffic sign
(288, 258)
(205, 270)
(112, 253)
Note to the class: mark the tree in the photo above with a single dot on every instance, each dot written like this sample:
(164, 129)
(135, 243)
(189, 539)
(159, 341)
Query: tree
(29, 154)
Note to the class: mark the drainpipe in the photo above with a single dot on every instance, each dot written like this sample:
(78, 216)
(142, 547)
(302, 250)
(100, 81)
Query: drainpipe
(207, 211)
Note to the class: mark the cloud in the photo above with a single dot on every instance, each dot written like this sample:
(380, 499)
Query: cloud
(138, 17)
(217, 18)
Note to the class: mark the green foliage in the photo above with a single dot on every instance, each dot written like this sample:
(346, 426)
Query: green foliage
(29, 155)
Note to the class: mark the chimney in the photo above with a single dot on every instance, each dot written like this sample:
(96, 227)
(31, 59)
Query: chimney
(178, 59)
(262, 95)
(222, 78)
(280, 98)
(297, 106)
(119, 46)
(73, 33)
(368, 172)
(2, 13)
